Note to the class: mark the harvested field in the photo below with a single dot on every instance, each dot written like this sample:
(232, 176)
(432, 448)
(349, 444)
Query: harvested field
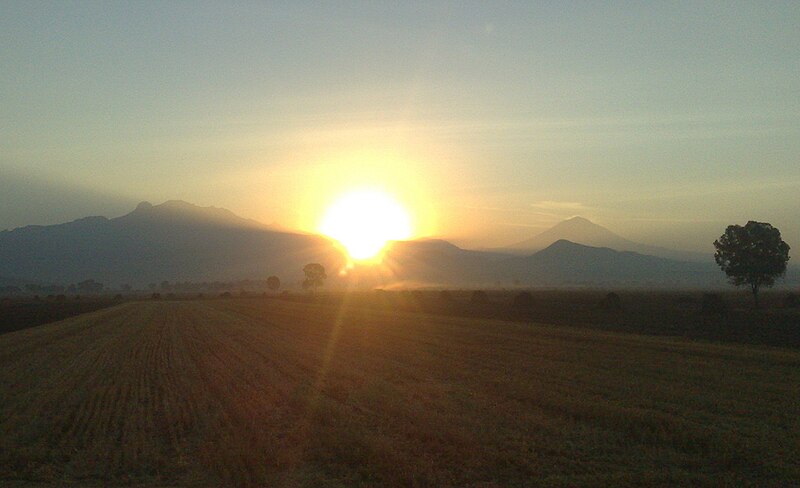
(275, 393)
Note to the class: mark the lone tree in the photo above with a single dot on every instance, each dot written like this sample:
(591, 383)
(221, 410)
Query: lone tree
(273, 283)
(315, 275)
(752, 255)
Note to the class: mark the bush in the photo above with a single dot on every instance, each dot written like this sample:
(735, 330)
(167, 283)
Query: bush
(445, 296)
(225, 294)
(118, 297)
(713, 304)
(791, 301)
(479, 296)
(610, 303)
(155, 296)
(523, 299)
(381, 295)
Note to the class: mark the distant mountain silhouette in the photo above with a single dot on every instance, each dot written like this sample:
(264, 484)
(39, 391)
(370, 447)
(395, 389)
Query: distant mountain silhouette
(582, 231)
(568, 263)
(178, 241)
(184, 213)
(561, 264)
(172, 241)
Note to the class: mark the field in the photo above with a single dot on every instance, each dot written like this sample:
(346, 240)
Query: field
(21, 313)
(249, 392)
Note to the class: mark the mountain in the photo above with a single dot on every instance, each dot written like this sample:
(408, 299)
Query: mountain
(566, 263)
(172, 241)
(178, 241)
(582, 231)
(178, 211)
(562, 264)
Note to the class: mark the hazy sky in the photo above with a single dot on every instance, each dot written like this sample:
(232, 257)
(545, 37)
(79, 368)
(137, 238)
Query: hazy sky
(662, 121)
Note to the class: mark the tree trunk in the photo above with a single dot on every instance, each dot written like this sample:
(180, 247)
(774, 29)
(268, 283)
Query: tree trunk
(754, 287)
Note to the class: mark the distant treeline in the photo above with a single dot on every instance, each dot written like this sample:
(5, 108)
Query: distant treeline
(92, 287)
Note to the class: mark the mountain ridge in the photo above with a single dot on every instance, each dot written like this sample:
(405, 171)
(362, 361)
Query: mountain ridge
(583, 231)
(180, 241)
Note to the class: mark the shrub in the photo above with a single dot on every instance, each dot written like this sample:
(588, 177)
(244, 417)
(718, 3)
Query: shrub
(611, 303)
(381, 295)
(225, 294)
(156, 296)
(445, 296)
(523, 299)
(479, 296)
(791, 301)
(118, 297)
(713, 304)
(61, 298)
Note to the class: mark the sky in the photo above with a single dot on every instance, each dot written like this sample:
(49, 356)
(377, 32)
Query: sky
(489, 121)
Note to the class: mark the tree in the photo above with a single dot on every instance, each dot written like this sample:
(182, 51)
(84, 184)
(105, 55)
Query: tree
(90, 287)
(273, 283)
(315, 275)
(753, 255)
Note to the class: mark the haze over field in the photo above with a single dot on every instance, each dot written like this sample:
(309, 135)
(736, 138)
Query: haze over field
(489, 123)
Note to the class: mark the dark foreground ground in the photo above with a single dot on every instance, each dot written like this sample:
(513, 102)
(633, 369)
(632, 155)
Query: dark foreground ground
(251, 392)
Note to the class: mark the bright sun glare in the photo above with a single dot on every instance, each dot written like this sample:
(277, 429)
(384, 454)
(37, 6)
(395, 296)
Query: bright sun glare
(364, 221)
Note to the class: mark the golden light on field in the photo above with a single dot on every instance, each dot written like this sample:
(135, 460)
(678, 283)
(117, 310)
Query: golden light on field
(364, 221)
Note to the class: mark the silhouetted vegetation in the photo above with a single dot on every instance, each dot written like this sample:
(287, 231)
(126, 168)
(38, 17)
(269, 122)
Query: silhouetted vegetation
(479, 296)
(713, 304)
(90, 287)
(610, 303)
(445, 296)
(315, 276)
(523, 299)
(791, 300)
(273, 283)
(17, 314)
(753, 255)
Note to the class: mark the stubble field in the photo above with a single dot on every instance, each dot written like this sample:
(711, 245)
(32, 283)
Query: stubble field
(276, 393)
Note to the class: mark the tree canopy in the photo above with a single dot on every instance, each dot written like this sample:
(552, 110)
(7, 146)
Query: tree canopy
(315, 275)
(753, 255)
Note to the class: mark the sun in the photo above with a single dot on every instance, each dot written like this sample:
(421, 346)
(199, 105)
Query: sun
(364, 221)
